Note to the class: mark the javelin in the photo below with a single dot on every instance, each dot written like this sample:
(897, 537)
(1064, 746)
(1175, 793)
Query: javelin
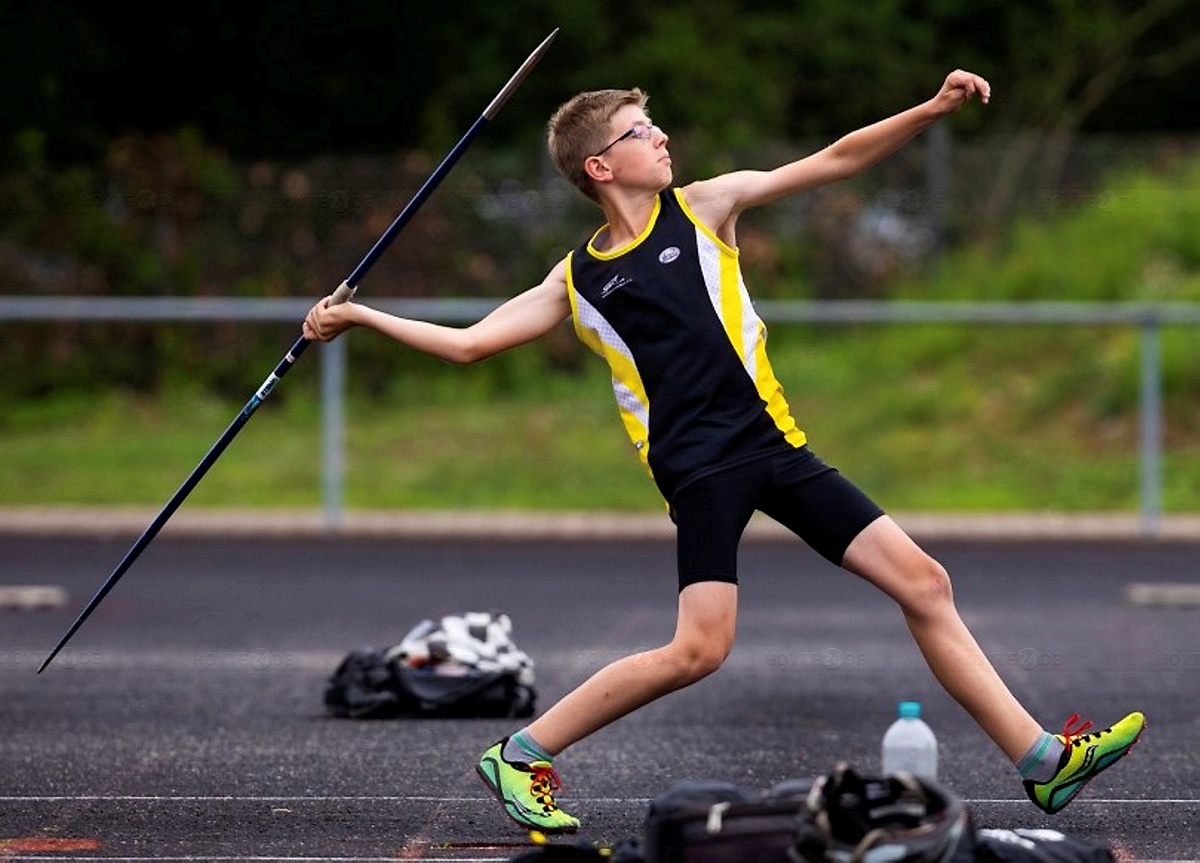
(343, 293)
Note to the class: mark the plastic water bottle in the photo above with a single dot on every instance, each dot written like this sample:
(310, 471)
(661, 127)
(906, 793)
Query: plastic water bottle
(909, 744)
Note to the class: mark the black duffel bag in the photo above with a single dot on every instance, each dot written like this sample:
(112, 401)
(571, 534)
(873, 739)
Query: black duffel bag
(369, 685)
(838, 818)
(698, 821)
(897, 818)
(460, 666)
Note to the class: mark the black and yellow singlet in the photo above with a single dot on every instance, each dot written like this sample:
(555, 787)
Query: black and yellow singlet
(670, 314)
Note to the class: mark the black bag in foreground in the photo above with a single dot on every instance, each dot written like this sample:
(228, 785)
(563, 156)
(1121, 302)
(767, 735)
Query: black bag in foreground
(839, 818)
(464, 666)
(843, 817)
(898, 818)
(719, 822)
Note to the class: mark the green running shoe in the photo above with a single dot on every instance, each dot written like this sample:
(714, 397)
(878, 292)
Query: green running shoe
(526, 791)
(1083, 758)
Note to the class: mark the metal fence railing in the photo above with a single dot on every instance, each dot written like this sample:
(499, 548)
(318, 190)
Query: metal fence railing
(1148, 318)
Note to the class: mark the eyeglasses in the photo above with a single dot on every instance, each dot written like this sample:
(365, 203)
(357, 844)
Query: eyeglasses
(640, 131)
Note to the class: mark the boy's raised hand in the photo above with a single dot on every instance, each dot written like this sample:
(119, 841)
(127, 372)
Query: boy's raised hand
(958, 89)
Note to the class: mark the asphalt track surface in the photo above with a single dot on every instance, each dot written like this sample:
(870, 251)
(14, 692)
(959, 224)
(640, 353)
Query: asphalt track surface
(185, 719)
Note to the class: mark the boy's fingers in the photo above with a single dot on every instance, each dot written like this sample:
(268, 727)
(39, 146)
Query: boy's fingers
(312, 324)
(969, 85)
(980, 86)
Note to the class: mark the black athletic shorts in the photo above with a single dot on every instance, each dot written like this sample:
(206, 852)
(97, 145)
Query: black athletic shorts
(801, 492)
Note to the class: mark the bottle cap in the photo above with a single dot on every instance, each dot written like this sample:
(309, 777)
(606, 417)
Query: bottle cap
(910, 710)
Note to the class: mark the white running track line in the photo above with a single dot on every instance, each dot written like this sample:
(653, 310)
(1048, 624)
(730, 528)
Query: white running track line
(244, 859)
(1123, 801)
(151, 798)
(278, 859)
(185, 798)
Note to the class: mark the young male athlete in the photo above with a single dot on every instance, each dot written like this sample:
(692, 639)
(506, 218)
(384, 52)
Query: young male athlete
(658, 293)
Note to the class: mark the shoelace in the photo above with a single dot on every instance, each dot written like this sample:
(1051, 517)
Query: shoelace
(1070, 735)
(544, 783)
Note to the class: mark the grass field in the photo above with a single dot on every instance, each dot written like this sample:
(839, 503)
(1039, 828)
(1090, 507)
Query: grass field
(990, 419)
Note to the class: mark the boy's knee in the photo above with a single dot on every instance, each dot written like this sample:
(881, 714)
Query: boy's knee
(697, 660)
(928, 587)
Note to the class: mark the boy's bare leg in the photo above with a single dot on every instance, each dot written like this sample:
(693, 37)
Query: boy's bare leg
(887, 557)
(703, 638)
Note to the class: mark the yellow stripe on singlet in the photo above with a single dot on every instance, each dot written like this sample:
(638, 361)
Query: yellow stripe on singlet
(745, 330)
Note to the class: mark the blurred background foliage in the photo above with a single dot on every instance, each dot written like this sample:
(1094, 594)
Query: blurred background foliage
(220, 148)
(287, 80)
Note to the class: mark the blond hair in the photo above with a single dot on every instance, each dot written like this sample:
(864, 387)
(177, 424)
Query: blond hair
(579, 128)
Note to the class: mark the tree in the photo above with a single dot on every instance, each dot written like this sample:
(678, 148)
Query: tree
(1073, 65)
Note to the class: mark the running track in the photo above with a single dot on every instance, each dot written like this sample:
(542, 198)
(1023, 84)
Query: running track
(184, 721)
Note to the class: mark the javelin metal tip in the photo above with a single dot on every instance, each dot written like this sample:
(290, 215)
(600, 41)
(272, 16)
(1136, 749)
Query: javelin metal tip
(515, 81)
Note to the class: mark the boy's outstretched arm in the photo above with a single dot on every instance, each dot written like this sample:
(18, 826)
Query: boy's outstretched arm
(522, 319)
(722, 198)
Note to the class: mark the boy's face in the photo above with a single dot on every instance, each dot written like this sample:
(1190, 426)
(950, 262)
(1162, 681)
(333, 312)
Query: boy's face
(637, 150)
